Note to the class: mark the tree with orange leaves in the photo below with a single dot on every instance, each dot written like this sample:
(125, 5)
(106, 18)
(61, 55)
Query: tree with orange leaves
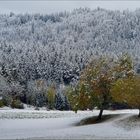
(94, 87)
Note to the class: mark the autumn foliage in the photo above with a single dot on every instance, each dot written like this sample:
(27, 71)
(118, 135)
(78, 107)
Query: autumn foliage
(95, 85)
(127, 91)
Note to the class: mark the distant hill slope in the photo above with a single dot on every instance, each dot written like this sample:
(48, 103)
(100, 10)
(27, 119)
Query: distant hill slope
(57, 46)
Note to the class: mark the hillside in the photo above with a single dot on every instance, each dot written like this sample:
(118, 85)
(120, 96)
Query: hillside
(38, 51)
(57, 47)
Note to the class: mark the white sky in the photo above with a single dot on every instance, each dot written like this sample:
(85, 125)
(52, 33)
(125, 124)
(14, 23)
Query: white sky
(57, 6)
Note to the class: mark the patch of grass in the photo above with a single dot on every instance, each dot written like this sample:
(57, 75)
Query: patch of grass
(95, 120)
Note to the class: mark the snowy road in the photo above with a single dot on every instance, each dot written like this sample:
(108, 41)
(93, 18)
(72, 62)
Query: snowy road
(63, 127)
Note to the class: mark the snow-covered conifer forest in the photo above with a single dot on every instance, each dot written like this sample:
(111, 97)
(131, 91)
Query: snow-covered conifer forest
(41, 53)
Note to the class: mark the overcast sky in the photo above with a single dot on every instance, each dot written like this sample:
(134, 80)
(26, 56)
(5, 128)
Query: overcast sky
(57, 6)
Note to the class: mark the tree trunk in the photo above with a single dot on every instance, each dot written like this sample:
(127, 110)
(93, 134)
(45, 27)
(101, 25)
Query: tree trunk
(139, 113)
(100, 114)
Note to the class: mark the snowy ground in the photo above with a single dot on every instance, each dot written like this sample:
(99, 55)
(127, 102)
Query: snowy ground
(31, 124)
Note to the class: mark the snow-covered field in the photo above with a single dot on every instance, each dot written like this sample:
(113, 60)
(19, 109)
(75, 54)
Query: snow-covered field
(31, 124)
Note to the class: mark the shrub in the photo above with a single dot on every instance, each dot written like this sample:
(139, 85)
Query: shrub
(17, 104)
(1, 103)
(7, 100)
(51, 97)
